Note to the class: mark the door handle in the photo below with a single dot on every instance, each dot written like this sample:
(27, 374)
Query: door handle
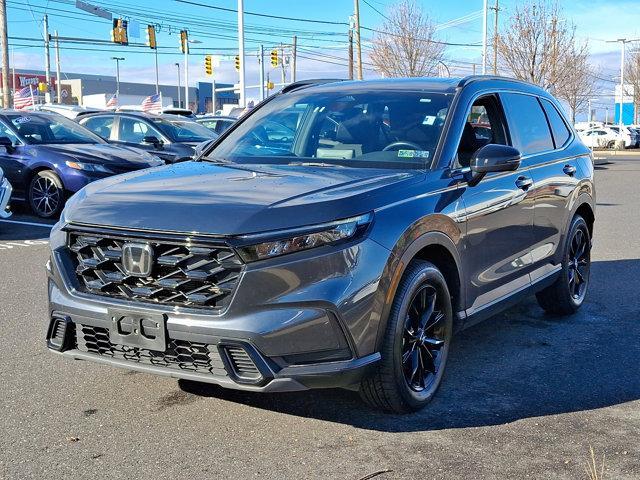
(524, 183)
(569, 170)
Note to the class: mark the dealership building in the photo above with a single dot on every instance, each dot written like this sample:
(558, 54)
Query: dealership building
(96, 90)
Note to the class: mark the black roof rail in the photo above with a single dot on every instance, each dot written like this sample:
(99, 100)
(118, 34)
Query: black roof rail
(474, 78)
(305, 83)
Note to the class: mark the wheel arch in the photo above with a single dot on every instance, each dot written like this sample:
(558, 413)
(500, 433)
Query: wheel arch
(436, 247)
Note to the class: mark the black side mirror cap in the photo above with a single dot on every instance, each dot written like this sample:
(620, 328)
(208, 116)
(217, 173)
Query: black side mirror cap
(6, 143)
(152, 139)
(493, 158)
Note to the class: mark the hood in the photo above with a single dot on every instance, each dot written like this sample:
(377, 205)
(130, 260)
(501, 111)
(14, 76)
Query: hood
(104, 154)
(210, 198)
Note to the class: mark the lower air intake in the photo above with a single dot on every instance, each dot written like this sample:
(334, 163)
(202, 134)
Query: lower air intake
(242, 365)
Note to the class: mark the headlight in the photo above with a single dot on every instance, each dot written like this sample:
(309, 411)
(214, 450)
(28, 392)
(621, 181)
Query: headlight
(57, 237)
(307, 238)
(88, 167)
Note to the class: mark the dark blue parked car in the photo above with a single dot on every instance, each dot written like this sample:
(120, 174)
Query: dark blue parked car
(47, 157)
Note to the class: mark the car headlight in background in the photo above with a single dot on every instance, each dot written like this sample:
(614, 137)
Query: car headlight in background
(87, 167)
(303, 239)
(57, 237)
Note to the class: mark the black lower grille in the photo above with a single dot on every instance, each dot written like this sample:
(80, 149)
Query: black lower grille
(181, 273)
(242, 364)
(180, 354)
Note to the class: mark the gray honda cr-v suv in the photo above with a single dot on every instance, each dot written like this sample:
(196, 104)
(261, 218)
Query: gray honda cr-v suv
(336, 236)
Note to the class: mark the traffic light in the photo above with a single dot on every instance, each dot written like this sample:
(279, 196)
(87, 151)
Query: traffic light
(208, 65)
(270, 85)
(274, 58)
(237, 63)
(151, 37)
(184, 41)
(119, 31)
(42, 87)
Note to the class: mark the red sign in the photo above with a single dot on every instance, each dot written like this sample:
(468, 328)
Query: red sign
(21, 80)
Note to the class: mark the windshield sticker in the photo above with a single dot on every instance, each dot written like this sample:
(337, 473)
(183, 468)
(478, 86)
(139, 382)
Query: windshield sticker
(20, 120)
(429, 120)
(413, 153)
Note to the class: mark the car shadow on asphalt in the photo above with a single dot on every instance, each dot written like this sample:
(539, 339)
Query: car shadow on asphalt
(519, 364)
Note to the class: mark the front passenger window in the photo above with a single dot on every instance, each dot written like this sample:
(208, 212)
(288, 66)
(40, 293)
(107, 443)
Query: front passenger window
(484, 125)
(132, 130)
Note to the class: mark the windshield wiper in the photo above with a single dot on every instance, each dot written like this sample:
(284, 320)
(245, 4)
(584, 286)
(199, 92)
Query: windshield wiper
(314, 164)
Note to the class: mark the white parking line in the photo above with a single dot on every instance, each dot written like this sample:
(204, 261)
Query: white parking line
(33, 224)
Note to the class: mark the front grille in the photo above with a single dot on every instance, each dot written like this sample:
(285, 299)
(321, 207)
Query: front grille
(182, 273)
(180, 354)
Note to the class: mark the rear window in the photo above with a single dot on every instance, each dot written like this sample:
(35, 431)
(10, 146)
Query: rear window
(559, 128)
(527, 123)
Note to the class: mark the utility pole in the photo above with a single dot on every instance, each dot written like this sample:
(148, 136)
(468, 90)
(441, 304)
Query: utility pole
(47, 59)
(4, 46)
(241, 82)
(155, 50)
(484, 37)
(118, 60)
(284, 67)
(356, 7)
(261, 60)
(496, 9)
(350, 53)
(186, 75)
(58, 87)
(213, 97)
(177, 64)
(589, 115)
(294, 54)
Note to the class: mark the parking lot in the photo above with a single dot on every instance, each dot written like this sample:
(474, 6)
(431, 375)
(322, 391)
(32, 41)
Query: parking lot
(524, 396)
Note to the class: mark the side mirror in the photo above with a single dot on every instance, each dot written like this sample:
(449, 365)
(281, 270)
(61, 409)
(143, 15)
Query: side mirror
(152, 140)
(6, 143)
(493, 158)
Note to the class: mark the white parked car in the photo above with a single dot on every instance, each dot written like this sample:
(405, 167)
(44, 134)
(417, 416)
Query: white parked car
(604, 137)
(70, 111)
(585, 126)
(629, 135)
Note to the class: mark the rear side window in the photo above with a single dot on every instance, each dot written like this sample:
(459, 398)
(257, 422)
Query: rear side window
(559, 128)
(527, 123)
(100, 125)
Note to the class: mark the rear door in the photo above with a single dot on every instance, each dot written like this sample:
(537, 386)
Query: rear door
(554, 170)
(101, 125)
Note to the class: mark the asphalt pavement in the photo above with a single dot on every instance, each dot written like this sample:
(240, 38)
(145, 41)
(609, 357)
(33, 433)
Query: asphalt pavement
(525, 395)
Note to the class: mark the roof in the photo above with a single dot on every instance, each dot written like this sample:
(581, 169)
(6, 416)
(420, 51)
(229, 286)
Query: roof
(433, 84)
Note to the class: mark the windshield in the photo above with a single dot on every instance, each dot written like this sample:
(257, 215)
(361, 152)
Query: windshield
(184, 130)
(365, 129)
(38, 129)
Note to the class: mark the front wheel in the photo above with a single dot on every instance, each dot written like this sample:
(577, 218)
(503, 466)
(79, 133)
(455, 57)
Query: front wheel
(568, 292)
(416, 343)
(46, 194)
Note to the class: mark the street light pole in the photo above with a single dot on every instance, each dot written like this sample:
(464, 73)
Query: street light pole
(179, 101)
(623, 44)
(118, 60)
(241, 80)
(484, 36)
(186, 76)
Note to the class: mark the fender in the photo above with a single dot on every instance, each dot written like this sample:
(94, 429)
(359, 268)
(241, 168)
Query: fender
(442, 231)
(583, 198)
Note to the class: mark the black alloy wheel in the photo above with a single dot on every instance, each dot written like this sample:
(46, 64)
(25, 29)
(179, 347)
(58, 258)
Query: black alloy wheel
(578, 263)
(567, 293)
(416, 344)
(46, 194)
(424, 339)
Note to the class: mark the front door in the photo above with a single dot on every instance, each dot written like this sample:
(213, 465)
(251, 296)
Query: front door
(499, 213)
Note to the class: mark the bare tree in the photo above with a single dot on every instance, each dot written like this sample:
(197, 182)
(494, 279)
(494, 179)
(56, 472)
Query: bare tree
(538, 45)
(579, 81)
(405, 45)
(632, 77)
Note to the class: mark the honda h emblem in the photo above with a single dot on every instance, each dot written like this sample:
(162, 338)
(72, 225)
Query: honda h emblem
(137, 259)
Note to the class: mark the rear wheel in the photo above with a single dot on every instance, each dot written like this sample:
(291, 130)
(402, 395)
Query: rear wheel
(416, 344)
(46, 194)
(568, 292)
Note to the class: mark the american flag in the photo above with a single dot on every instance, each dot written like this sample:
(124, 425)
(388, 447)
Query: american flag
(113, 101)
(151, 103)
(23, 98)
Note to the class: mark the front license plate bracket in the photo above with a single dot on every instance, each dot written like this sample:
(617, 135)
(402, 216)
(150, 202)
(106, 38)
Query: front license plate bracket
(141, 330)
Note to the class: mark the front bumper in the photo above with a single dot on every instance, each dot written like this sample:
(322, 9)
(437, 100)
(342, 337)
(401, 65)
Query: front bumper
(5, 196)
(297, 337)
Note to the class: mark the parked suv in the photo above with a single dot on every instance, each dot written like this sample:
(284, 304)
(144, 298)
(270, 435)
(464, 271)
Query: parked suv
(343, 255)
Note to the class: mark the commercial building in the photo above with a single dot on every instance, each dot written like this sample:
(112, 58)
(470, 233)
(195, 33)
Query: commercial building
(96, 90)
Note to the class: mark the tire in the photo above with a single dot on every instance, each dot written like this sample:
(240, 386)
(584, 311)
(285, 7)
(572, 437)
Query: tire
(46, 194)
(395, 386)
(568, 292)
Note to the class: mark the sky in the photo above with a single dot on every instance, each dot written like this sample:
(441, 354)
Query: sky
(322, 46)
